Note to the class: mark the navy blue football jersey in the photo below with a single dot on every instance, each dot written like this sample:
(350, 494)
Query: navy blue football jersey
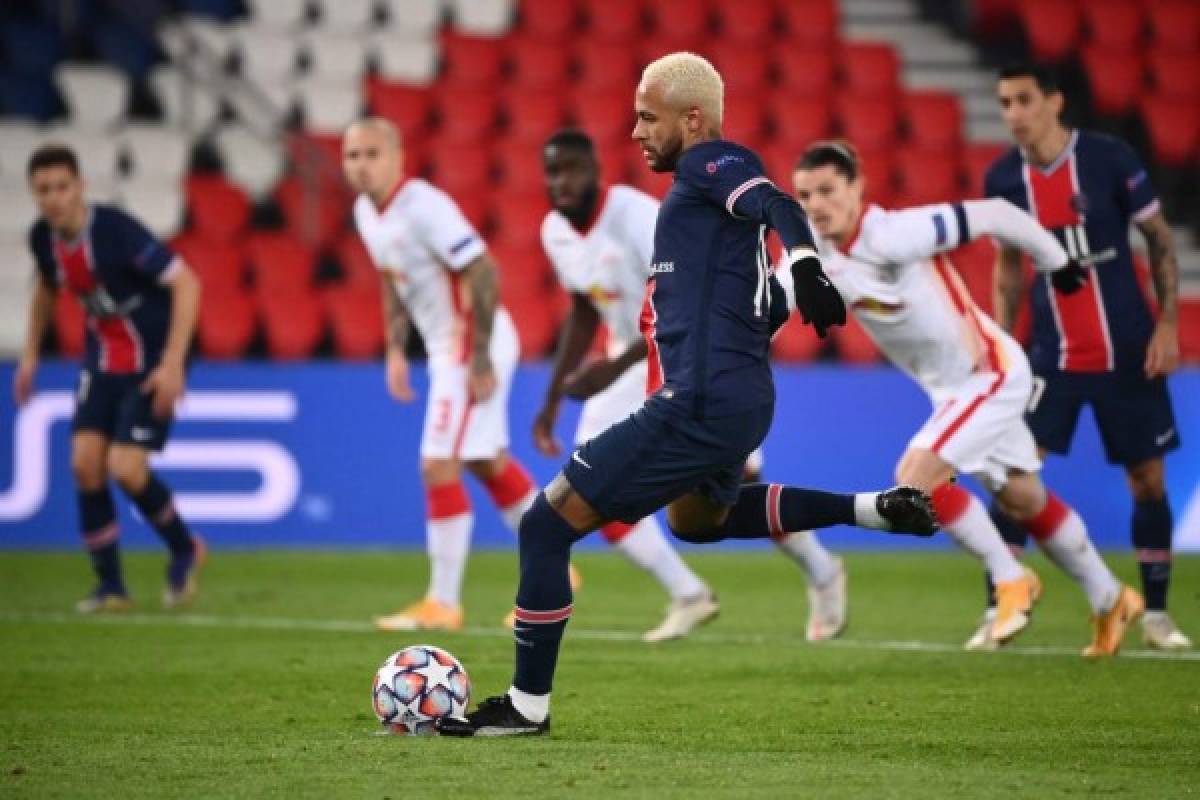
(115, 266)
(707, 307)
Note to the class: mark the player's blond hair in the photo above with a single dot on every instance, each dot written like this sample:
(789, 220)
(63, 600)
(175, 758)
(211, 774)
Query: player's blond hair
(384, 126)
(688, 81)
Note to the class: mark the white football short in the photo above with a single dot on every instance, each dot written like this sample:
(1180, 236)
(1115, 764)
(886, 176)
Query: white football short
(979, 426)
(454, 426)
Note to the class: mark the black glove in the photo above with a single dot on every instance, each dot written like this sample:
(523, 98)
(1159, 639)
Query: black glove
(1069, 279)
(818, 301)
(779, 307)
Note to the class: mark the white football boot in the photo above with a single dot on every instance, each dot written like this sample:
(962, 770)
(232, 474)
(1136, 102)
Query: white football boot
(827, 607)
(684, 616)
(1160, 632)
(982, 638)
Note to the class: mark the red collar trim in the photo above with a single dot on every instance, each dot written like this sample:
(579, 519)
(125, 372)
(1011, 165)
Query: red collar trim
(388, 201)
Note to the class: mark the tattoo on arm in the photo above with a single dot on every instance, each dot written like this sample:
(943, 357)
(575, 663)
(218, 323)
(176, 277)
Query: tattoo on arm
(485, 293)
(1164, 268)
(395, 316)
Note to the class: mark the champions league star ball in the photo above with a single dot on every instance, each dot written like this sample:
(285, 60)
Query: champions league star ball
(417, 686)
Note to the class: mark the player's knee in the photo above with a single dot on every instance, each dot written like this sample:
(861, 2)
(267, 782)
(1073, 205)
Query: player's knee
(128, 468)
(436, 471)
(87, 467)
(1022, 497)
(688, 528)
(1147, 481)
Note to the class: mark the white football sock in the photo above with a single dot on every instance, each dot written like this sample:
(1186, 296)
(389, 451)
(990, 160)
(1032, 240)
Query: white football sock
(1070, 548)
(533, 707)
(975, 532)
(866, 515)
(512, 514)
(448, 540)
(818, 563)
(646, 546)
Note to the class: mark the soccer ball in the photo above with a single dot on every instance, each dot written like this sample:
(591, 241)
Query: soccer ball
(417, 686)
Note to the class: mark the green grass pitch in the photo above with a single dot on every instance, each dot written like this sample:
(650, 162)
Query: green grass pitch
(262, 688)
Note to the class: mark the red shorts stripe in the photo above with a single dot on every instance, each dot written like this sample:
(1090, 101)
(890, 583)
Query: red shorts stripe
(774, 519)
(958, 422)
(542, 617)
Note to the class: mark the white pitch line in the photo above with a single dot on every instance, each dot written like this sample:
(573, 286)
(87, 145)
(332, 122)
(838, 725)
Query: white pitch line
(595, 634)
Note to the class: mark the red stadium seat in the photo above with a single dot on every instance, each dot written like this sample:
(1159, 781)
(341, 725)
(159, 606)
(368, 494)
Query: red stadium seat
(796, 342)
(602, 65)
(854, 346)
(219, 266)
(1051, 28)
(70, 325)
(810, 23)
(461, 170)
(408, 107)
(549, 19)
(607, 116)
(933, 120)
(227, 323)
(467, 115)
(293, 322)
(532, 116)
(653, 47)
(1174, 130)
(536, 330)
(616, 160)
(877, 168)
(537, 65)
(1116, 84)
(747, 21)
(1176, 75)
(925, 177)
(779, 160)
(315, 214)
(474, 61)
(280, 262)
(743, 120)
(1175, 25)
(744, 67)
(1115, 25)
(615, 20)
(524, 271)
(798, 121)
(870, 68)
(804, 72)
(1189, 329)
(978, 158)
(519, 225)
(352, 256)
(355, 320)
(869, 122)
(476, 206)
(682, 19)
(219, 210)
(520, 166)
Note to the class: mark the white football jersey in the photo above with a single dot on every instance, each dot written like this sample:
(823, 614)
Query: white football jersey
(610, 262)
(422, 241)
(896, 279)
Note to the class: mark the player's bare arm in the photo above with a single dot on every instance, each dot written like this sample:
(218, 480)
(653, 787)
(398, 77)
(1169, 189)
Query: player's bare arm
(1162, 354)
(596, 376)
(395, 324)
(485, 292)
(166, 381)
(41, 308)
(578, 331)
(1008, 286)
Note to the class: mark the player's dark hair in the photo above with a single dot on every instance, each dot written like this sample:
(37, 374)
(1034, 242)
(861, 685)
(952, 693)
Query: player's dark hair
(1043, 75)
(837, 154)
(573, 139)
(53, 155)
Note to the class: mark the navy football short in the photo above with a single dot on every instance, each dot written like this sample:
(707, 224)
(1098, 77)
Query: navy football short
(115, 406)
(1133, 413)
(658, 454)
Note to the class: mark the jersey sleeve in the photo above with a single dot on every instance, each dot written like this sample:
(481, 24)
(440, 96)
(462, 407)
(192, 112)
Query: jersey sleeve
(1134, 193)
(43, 259)
(903, 237)
(446, 231)
(148, 256)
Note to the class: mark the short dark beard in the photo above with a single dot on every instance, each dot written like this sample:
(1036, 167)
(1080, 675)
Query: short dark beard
(581, 214)
(668, 159)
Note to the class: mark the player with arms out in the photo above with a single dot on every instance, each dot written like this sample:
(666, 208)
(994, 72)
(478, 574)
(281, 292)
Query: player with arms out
(599, 240)
(1102, 346)
(141, 302)
(710, 308)
(436, 272)
(891, 269)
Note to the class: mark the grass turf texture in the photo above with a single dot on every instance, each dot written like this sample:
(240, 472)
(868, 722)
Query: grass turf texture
(229, 701)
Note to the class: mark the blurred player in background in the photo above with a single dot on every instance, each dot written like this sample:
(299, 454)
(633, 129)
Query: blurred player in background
(600, 241)
(436, 273)
(890, 268)
(1102, 346)
(710, 308)
(141, 302)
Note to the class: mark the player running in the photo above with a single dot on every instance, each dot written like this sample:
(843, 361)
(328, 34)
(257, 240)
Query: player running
(141, 302)
(436, 272)
(710, 308)
(891, 269)
(1102, 346)
(599, 240)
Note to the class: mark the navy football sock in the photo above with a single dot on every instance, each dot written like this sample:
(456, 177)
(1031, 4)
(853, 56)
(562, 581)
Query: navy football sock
(1014, 534)
(769, 509)
(98, 521)
(543, 596)
(156, 506)
(1152, 525)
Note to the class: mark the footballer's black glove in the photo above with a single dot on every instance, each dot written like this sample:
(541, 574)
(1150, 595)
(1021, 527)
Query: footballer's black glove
(779, 306)
(819, 303)
(1071, 278)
